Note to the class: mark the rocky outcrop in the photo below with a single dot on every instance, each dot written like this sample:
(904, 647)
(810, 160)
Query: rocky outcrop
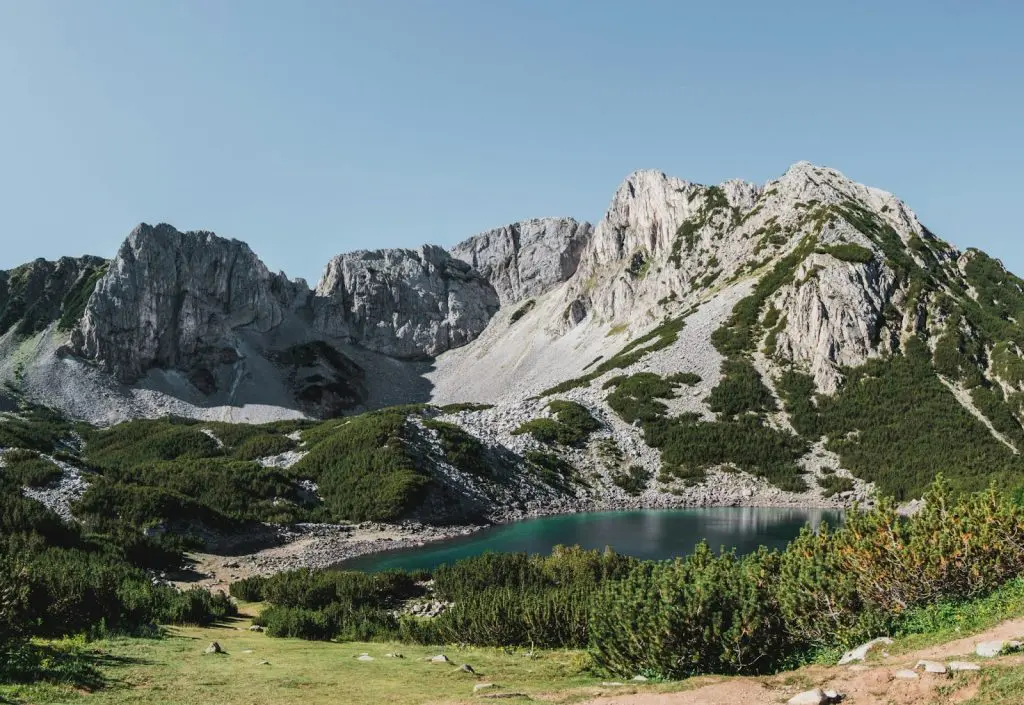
(833, 316)
(528, 258)
(41, 292)
(181, 301)
(403, 303)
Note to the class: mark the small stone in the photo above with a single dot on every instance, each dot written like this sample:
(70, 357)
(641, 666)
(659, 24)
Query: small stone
(263, 663)
(214, 648)
(861, 652)
(906, 674)
(255, 628)
(991, 649)
(833, 696)
(395, 655)
(440, 658)
(930, 666)
(484, 686)
(957, 666)
(248, 651)
(640, 679)
(364, 657)
(809, 697)
(466, 668)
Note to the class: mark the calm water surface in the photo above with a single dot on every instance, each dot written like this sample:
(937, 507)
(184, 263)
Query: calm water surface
(649, 534)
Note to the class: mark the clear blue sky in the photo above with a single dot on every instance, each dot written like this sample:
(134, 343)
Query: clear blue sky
(310, 128)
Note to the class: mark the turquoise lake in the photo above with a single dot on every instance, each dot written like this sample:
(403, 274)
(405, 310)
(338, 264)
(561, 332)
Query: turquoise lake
(649, 534)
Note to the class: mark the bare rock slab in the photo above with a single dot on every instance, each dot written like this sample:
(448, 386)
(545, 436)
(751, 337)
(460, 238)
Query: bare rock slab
(960, 666)
(930, 666)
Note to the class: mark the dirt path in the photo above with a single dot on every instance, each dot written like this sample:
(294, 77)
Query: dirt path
(871, 684)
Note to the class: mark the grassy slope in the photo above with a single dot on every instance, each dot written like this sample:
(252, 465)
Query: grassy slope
(175, 670)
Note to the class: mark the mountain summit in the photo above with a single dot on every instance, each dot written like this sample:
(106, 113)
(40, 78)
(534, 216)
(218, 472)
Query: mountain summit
(809, 332)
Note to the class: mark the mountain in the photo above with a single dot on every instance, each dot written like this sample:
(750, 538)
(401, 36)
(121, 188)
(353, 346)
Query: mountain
(807, 340)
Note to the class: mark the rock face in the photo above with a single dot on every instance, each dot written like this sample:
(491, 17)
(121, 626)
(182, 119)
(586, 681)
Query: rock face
(404, 303)
(528, 258)
(36, 294)
(181, 301)
(835, 316)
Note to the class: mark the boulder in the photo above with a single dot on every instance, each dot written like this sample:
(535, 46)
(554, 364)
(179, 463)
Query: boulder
(440, 658)
(466, 668)
(214, 648)
(817, 696)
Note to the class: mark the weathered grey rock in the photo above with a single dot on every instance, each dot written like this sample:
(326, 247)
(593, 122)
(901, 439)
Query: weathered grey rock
(466, 668)
(484, 686)
(527, 258)
(255, 628)
(440, 658)
(991, 649)
(403, 303)
(214, 648)
(930, 666)
(861, 652)
(960, 666)
(810, 697)
(833, 314)
(180, 301)
(364, 657)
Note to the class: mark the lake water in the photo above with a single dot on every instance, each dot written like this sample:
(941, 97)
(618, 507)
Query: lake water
(649, 534)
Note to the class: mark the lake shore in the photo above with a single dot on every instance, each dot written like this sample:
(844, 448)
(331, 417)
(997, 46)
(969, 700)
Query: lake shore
(319, 546)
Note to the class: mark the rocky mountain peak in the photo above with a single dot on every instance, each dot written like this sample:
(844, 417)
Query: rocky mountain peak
(527, 258)
(175, 300)
(404, 303)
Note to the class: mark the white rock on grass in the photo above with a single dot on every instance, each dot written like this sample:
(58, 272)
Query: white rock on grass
(991, 649)
(861, 652)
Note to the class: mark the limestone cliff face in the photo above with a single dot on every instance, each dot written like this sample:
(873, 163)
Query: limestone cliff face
(403, 303)
(528, 258)
(180, 300)
(834, 316)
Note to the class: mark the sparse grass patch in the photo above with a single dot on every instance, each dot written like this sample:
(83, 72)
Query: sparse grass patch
(657, 339)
